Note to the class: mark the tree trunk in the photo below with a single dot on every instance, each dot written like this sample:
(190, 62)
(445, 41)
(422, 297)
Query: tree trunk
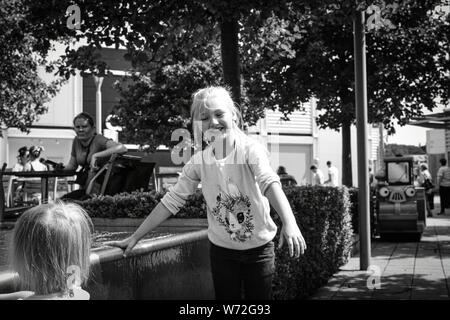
(230, 56)
(347, 177)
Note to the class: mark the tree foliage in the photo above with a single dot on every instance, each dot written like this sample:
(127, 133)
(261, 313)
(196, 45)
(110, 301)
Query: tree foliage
(23, 94)
(407, 66)
(175, 48)
(289, 52)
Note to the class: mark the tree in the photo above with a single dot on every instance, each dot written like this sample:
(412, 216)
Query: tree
(407, 67)
(153, 34)
(22, 93)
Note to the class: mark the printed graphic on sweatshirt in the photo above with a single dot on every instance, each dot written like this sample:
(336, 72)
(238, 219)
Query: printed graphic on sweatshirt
(233, 212)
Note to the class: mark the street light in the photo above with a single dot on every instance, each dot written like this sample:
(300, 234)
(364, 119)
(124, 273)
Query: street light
(361, 127)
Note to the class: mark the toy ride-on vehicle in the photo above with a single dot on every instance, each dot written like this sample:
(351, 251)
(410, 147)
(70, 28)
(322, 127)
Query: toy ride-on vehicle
(400, 204)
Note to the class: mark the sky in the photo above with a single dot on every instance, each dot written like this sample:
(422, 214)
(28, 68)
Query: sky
(412, 135)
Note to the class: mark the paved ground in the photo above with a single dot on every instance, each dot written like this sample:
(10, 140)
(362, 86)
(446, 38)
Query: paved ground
(409, 270)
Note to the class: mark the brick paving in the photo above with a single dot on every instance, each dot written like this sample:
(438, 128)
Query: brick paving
(409, 270)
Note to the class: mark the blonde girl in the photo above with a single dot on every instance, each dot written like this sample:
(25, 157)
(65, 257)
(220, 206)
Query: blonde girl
(238, 184)
(50, 252)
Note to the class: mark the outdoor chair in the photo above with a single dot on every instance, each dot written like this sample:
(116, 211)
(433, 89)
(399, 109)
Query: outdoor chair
(31, 190)
(7, 211)
(122, 173)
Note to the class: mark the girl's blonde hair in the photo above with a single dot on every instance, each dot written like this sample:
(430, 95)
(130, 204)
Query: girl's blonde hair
(47, 240)
(200, 100)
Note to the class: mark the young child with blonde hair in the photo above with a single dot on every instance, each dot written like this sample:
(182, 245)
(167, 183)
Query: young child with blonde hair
(238, 184)
(50, 252)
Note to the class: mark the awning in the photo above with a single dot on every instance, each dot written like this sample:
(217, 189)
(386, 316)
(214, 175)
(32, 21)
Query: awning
(433, 121)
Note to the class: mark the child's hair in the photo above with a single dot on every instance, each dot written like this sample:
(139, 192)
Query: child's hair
(200, 102)
(23, 151)
(47, 240)
(35, 151)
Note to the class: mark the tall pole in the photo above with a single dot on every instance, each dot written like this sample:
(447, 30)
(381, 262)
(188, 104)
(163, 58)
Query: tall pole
(361, 128)
(98, 102)
(381, 146)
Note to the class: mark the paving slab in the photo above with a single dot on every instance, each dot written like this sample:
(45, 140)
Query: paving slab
(408, 270)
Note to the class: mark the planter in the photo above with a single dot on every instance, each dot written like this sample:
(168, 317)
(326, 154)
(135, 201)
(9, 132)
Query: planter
(174, 267)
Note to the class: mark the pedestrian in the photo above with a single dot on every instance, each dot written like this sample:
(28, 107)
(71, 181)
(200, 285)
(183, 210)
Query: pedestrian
(443, 182)
(333, 175)
(285, 178)
(239, 186)
(426, 182)
(50, 252)
(317, 179)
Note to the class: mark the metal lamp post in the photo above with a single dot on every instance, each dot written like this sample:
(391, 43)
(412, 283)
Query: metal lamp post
(361, 127)
(98, 102)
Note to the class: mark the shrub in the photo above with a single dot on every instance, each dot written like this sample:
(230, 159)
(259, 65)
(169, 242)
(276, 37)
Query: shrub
(138, 205)
(323, 216)
(353, 193)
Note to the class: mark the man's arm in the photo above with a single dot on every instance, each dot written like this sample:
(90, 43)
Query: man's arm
(111, 148)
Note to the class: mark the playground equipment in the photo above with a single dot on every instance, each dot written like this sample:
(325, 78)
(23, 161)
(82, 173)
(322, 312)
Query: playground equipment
(400, 203)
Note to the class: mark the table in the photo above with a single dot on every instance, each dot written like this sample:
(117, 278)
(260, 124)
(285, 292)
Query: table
(44, 175)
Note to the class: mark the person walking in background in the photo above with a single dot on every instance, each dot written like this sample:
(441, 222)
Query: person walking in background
(317, 179)
(426, 182)
(35, 164)
(239, 185)
(51, 242)
(285, 178)
(333, 175)
(443, 183)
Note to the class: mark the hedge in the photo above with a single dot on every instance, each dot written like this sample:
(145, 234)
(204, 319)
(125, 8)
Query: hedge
(323, 216)
(138, 205)
(322, 213)
(353, 192)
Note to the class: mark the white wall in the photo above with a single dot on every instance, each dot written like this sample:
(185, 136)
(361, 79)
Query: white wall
(329, 148)
(57, 143)
(435, 141)
(296, 158)
(67, 102)
(62, 108)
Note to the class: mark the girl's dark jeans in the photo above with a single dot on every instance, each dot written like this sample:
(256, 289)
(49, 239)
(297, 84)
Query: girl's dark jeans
(243, 274)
